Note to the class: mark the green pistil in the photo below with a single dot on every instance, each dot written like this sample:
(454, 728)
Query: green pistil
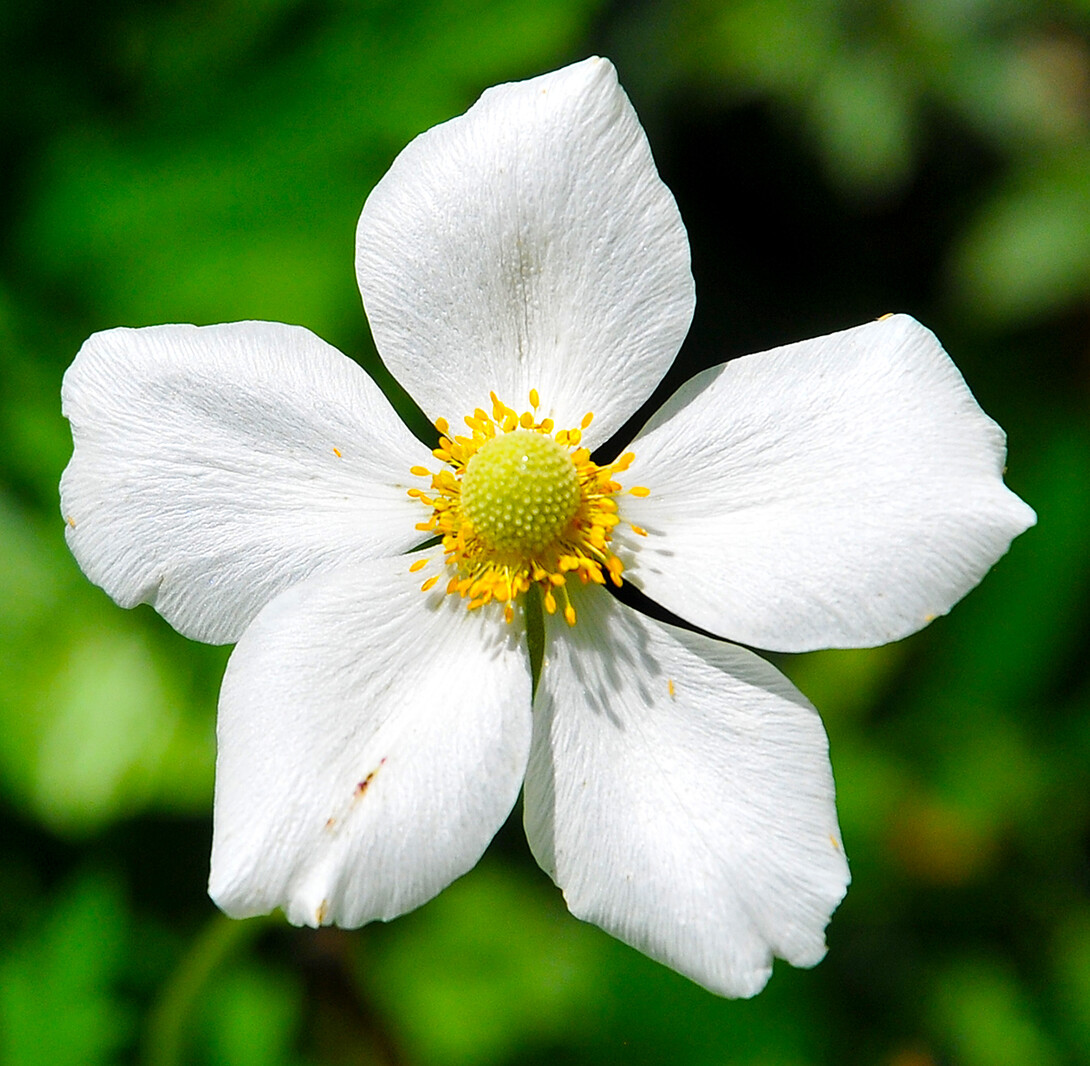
(520, 491)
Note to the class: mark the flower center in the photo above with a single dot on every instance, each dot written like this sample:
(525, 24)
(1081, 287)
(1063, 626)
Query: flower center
(520, 492)
(516, 504)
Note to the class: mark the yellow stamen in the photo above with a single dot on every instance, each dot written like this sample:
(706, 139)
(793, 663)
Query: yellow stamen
(517, 504)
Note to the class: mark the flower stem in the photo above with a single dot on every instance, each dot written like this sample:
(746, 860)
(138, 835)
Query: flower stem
(171, 1017)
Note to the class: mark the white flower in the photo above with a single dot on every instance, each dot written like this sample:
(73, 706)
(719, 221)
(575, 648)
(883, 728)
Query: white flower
(253, 484)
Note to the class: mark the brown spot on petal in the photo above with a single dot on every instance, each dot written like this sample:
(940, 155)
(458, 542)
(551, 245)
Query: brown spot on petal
(322, 912)
(365, 784)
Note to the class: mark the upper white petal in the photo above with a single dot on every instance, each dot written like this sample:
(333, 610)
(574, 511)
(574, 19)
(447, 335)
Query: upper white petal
(372, 739)
(679, 792)
(841, 491)
(215, 466)
(529, 244)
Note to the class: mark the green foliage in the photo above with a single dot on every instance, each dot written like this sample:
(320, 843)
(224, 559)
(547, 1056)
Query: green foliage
(59, 985)
(494, 964)
(207, 161)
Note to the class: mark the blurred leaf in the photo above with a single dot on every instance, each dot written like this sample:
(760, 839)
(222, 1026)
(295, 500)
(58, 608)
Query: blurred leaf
(247, 208)
(871, 787)
(1070, 952)
(110, 735)
(33, 435)
(864, 115)
(214, 998)
(771, 45)
(32, 573)
(1028, 250)
(983, 1017)
(93, 725)
(251, 1017)
(58, 1006)
(492, 965)
(845, 683)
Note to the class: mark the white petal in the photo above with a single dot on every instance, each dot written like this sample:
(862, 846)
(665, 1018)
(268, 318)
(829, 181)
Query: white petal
(837, 492)
(215, 466)
(679, 792)
(372, 739)
(529, 244)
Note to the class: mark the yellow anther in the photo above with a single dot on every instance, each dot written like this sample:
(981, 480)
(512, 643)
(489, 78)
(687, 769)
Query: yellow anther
(418, 565)
(442, 425)
(535, 400)
(640, 490)
(430, 583)
(569, 615)
(420, 471)
(587, 419)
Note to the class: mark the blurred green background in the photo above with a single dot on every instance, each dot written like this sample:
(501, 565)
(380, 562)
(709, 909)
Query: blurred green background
(204, 161)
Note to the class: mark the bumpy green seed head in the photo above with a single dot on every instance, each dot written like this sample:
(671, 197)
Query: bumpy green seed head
(520, 491)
